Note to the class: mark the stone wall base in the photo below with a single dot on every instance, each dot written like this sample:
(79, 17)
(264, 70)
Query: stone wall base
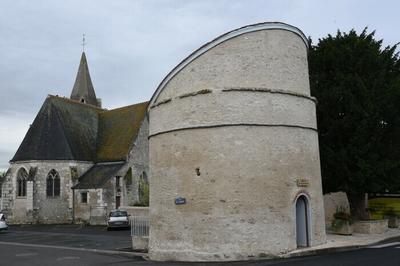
(371, 227)
(196, 256)
(140, 243)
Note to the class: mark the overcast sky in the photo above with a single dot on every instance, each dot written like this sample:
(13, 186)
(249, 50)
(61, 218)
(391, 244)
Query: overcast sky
(132, 45)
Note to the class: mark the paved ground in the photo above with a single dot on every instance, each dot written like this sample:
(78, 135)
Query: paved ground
(388, 255)
(340, 241)
(11, 255)
(93, 237)
(32, 256)
(74, 245)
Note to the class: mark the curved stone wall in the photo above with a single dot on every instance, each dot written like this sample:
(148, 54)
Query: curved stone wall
(233, 131)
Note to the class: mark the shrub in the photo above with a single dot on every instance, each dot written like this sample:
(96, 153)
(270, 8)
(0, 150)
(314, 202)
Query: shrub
(342, 214)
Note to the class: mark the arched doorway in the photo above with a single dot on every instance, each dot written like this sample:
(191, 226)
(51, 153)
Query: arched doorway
(302, 232)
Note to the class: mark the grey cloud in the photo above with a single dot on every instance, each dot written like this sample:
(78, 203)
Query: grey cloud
(132, 45)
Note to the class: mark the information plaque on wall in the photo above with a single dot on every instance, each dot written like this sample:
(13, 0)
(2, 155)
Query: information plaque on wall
(302, 182)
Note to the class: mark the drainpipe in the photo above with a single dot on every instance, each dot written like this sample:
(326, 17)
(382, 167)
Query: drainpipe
(73, 205)
(1, 196)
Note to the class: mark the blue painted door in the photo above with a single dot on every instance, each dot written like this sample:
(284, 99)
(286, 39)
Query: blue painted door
(302, 222)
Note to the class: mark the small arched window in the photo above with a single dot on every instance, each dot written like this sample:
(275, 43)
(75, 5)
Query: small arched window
(22, 176)
(53, 184)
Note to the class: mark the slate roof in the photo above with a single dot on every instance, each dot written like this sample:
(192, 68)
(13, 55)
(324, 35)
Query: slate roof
(68, 130)
(83, 87)
(117, 129)
(98, 175)
(62, 130)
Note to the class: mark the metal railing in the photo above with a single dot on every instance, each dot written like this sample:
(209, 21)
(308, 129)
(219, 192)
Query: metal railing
(139, 225)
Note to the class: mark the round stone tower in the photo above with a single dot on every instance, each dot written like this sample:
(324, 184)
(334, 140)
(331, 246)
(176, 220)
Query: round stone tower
(234, 159)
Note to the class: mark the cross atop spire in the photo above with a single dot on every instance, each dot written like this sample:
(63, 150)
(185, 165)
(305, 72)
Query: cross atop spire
(83, 43)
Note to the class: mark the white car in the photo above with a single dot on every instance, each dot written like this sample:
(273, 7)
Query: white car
(3, 222)
(118, 219)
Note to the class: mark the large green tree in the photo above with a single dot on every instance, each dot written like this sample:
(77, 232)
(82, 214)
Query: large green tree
(357, 84)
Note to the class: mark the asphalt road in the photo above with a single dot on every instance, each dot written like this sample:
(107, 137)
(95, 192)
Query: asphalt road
(22, 255)
(72, 245)
(93, 237)
(380, 256)
(11, 255)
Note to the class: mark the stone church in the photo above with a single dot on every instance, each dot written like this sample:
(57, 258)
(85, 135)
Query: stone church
(77, 161)
(230, 139)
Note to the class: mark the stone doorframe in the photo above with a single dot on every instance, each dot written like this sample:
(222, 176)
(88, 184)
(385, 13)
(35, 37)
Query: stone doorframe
(308, 217)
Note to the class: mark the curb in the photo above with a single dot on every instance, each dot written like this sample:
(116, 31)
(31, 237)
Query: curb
(121, 253)
(100, 251)
(314, 252)
(144, 255)
(323, 251)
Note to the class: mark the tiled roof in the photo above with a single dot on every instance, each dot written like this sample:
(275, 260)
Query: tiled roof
(98, 175)
(118, 129)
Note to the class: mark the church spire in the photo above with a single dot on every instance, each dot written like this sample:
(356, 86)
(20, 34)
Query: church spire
(83, 90)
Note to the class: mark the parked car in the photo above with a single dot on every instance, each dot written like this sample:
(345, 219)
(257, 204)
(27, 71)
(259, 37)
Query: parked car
(3, 222)
(118, 219)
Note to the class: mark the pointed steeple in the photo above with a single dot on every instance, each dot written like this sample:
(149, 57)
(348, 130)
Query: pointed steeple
(83, 90)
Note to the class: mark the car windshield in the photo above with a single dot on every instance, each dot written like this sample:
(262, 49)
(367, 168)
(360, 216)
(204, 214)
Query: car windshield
(118, 214)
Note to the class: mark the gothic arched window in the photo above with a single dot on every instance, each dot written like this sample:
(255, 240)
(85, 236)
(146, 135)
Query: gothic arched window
(21, 182)
(53, 184)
